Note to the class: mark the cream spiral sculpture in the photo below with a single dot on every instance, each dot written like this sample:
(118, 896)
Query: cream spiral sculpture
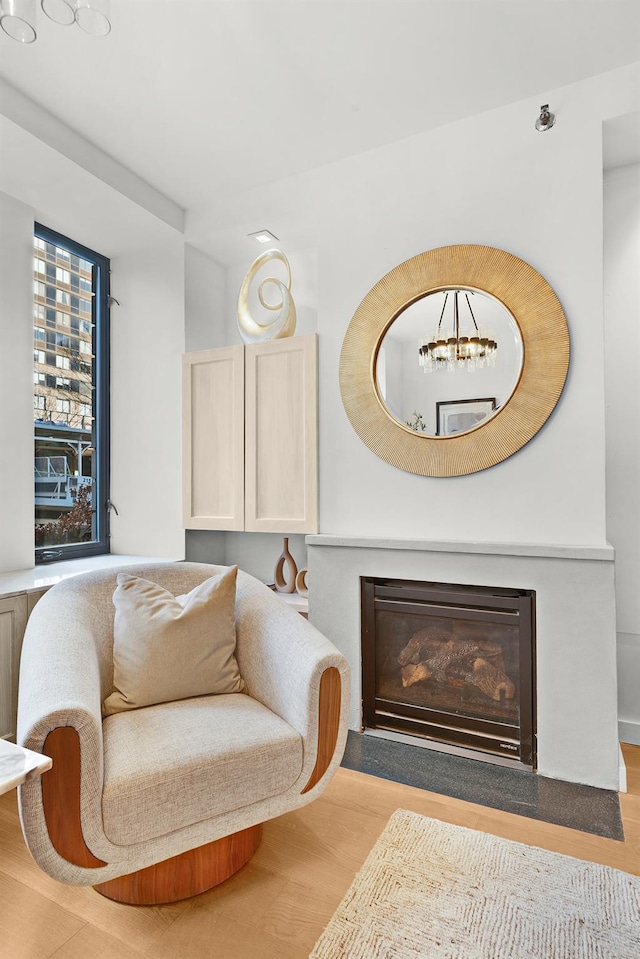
(284, 324)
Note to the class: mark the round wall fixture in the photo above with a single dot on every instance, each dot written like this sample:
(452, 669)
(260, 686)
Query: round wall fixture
(478, 420)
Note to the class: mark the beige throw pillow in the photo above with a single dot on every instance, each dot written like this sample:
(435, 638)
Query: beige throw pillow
(168, 647)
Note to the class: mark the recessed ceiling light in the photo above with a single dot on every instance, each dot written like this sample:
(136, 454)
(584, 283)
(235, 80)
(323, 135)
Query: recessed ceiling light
(263, 236)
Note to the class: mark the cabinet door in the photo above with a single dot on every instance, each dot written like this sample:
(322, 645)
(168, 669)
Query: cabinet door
(281, 422)
(213, 439)
(33, 597)
(13, 619)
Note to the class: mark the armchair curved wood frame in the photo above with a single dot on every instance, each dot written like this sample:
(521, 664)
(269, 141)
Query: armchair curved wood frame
(195, 870)
(545, 336)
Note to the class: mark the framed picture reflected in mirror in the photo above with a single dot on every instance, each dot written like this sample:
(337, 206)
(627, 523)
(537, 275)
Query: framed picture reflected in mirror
(460, 416)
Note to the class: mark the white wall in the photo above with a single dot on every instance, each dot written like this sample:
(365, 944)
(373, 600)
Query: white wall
(492, 179)
(204, 301)
(147, 342)
(622, 356)
(16, 384)
(147, 259)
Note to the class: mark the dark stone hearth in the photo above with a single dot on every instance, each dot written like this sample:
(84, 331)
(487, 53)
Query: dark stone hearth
(516, 791)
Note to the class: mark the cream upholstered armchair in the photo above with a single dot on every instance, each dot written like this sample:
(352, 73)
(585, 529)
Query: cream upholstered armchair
(159, 803)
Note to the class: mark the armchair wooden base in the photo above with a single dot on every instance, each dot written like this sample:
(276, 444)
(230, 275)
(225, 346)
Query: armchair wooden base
(189, 874)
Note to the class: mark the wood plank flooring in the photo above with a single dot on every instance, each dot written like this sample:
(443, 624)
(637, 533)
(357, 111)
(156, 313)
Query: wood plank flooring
(278, 905)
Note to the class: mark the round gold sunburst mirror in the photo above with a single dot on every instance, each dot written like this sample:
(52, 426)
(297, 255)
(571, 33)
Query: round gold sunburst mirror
(454, 360)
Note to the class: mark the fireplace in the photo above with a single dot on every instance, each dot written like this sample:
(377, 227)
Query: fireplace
(450, 663)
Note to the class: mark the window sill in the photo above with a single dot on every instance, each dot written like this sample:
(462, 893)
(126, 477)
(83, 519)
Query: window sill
(41, 577)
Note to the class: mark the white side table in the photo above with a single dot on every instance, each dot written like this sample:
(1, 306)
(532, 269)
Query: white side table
(18, 764)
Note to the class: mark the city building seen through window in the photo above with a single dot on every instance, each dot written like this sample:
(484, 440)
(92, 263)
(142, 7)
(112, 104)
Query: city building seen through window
(70, 398)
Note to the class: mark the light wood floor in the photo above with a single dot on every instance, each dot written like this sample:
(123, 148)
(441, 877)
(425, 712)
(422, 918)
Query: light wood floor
(278, 905)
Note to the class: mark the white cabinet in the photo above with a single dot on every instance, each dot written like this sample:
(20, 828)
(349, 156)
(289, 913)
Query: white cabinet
(213, 439)
(281, 434)
(13, 619)
(14, 613)
(250, 437)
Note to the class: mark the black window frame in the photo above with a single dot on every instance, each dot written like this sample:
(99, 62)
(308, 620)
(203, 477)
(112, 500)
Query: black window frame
(101, 366)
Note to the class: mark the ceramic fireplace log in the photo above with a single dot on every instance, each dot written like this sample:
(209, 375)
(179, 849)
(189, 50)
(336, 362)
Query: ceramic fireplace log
(465, 668)
(490, 680)
(415, 674)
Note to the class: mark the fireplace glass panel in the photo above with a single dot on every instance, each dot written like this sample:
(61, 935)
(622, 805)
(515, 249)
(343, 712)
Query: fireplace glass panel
(450, 663)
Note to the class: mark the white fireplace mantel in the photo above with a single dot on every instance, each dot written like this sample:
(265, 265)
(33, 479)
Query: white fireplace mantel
(605, 552)
(576, 685)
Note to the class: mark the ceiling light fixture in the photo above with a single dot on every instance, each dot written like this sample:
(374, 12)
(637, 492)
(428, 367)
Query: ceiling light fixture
(18, 17)
(546, 119)
(456, 352)
(263, 236)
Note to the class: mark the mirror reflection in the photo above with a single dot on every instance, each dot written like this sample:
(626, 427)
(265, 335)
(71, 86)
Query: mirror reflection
(449, 362)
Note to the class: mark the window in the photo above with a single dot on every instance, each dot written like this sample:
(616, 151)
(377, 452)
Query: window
(71, 415)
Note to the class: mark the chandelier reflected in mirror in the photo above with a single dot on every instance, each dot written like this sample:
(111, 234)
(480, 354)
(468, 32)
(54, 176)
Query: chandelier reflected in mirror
(18, 17)
(457, 350)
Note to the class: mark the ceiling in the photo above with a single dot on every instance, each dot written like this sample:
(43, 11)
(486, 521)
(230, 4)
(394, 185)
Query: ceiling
(202, 99)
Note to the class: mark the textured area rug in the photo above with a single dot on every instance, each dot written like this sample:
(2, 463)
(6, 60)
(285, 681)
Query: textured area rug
(429, 889)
